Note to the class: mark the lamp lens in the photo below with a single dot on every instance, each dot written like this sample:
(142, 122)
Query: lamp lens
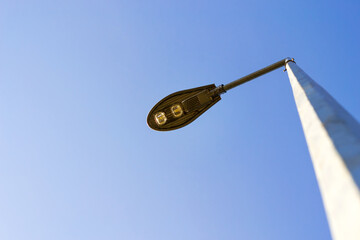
(160, 118)
(177, 110)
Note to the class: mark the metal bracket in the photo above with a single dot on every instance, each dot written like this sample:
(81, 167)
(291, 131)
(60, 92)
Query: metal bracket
(288, 60)
(218, 90)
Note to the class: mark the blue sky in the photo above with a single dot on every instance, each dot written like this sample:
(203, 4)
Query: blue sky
(78, 78)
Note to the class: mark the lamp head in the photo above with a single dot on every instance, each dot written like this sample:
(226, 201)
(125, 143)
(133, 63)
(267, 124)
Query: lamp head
(181, 108)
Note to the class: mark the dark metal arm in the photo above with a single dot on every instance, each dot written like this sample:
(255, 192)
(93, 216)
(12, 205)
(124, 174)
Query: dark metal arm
(223, 88)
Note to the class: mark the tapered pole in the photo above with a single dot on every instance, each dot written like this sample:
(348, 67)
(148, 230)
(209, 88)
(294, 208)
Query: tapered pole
(333, 139)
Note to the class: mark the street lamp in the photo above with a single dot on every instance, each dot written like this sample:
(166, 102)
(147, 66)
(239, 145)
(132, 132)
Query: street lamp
(181, 108)
(332, 136)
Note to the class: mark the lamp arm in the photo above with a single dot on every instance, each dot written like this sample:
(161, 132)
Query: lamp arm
(223, 88)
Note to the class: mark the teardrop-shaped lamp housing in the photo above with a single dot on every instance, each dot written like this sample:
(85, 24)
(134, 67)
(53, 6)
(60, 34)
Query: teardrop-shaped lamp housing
(181, 108)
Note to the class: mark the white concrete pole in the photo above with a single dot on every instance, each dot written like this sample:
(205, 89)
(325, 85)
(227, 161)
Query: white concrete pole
(333, 139)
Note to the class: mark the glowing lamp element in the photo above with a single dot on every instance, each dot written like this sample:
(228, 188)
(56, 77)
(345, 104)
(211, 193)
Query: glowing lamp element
(177, 110)
(160, 118)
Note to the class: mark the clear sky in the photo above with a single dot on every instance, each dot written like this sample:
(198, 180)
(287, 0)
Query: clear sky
(78, 78)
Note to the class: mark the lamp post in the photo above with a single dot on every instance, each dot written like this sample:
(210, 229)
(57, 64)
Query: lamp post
(332, 136)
